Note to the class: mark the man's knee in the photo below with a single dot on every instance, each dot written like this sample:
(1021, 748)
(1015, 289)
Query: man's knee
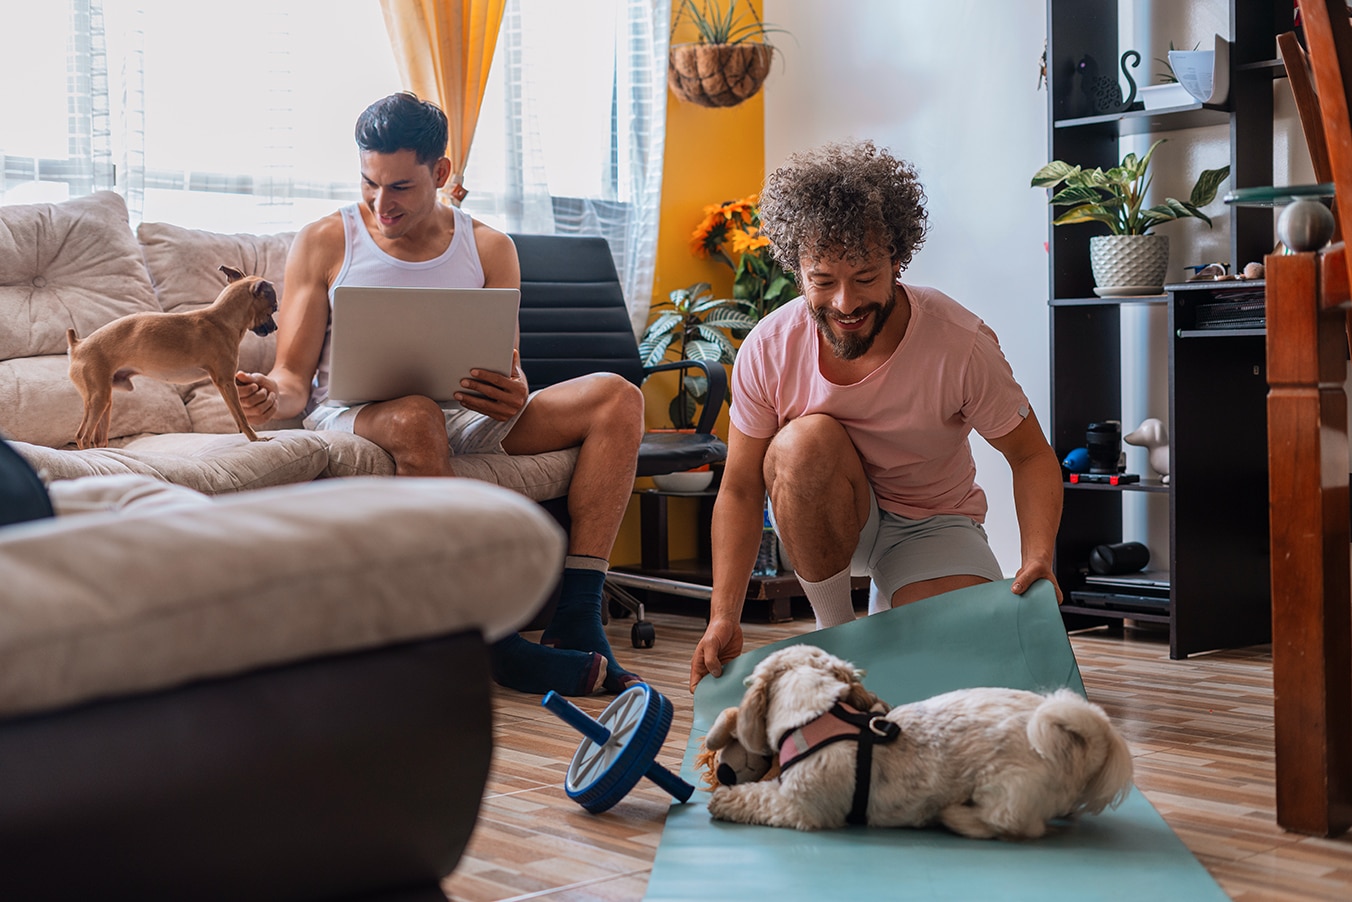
(412, 430)
(623, 397)
(612, 403)
(812, 447)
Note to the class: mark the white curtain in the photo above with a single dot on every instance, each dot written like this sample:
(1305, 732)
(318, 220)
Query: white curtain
(580, 128)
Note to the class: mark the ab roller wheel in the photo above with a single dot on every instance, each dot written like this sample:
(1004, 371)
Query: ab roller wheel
(620, 748)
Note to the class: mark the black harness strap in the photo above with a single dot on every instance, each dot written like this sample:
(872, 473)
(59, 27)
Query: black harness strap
(872, 729)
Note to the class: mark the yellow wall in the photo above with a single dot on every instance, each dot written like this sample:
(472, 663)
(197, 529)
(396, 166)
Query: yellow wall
(712, 155)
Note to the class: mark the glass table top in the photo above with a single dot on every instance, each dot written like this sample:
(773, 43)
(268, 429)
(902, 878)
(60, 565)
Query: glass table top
(1277, 195)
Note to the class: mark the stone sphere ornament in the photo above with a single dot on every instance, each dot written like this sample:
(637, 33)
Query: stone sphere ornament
(1306, 225)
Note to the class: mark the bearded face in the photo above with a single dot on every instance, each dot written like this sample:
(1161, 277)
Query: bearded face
(850, 299)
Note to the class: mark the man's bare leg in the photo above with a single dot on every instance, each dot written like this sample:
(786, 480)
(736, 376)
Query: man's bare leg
(413, 431)
(601, 415)
(929, 587)
(821, 501)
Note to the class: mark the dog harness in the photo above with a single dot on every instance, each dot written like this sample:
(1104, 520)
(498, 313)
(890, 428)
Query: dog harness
(842, 722)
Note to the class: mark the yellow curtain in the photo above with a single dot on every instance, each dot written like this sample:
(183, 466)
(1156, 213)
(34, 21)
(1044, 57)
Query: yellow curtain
(444, 49)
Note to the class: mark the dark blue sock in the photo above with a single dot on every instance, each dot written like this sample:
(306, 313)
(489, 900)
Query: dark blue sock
(526, 667)
(577, 624)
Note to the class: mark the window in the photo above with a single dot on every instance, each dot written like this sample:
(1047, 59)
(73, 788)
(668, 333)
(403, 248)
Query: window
(244, 122)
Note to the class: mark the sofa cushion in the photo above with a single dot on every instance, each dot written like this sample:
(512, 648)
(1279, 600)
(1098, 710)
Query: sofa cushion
(539, 477)
(126, 492)
(39, 404)
(212, 464)
(73, 264)
(156, 599)
(184, 266)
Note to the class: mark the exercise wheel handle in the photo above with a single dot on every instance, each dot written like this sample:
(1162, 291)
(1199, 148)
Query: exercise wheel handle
(576, 718)
(673, 785)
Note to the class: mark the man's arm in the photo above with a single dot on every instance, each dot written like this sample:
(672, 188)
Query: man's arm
(311, 264)
(503, 394)
(1037, 500)
(737, 524)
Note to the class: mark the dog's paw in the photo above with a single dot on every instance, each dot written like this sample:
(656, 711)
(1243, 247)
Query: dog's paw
(720, 803)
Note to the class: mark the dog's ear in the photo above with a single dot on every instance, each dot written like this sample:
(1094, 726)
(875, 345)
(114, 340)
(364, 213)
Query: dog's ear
(231, 274)
(724, 729)
(861, 699)
(263, 289)
(752, 713)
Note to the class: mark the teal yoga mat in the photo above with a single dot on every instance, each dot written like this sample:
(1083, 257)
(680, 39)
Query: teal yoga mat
(984, 636)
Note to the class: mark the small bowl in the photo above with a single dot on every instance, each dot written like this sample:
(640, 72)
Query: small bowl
(685, 481)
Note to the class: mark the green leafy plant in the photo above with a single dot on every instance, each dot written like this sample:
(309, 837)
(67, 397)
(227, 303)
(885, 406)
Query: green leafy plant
(696, 326)
(1167, 77)
(717, 25)
(1116, 197)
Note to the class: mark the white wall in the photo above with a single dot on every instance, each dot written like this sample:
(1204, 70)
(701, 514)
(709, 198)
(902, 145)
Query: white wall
(952, 87)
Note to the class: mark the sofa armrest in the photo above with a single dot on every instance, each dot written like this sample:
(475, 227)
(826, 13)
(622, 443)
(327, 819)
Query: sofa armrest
(101, 605)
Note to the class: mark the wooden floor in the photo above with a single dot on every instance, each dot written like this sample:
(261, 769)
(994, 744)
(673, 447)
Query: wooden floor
(1200, 731)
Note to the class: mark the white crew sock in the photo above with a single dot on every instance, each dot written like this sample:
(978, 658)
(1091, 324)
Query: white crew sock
(830, 599)
(877, 602)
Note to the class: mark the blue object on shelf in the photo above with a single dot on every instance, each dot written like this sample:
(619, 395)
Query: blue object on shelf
(1076, 461)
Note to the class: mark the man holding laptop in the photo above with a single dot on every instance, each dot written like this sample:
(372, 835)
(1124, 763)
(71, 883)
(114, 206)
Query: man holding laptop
(400, 235)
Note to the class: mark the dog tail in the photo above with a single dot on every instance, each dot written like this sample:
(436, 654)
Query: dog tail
(1078, 737)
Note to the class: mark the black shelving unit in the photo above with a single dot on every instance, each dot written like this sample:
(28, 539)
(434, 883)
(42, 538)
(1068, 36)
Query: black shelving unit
(1217, 592)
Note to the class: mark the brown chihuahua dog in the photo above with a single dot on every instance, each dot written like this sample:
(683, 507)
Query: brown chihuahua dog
(172, 347)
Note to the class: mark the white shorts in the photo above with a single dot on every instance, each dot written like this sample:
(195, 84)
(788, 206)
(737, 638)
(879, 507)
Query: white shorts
(467, 431)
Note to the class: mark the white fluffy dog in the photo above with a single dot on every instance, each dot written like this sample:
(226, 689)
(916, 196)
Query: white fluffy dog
(982, 762)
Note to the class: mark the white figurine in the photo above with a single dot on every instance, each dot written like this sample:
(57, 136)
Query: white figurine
(1153, 435)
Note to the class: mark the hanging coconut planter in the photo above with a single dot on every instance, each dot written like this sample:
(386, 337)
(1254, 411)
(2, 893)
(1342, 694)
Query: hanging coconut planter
(718, 75)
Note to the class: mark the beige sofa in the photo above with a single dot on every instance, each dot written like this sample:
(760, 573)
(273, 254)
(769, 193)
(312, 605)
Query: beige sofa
(78, 264)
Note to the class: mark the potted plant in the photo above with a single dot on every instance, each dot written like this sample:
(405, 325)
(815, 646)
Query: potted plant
(1168, 92)
(697, 326)
(1130, 260)
(732, 230)
(729, 60)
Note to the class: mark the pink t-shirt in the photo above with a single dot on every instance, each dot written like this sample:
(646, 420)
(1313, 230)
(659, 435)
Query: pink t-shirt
(909, 419)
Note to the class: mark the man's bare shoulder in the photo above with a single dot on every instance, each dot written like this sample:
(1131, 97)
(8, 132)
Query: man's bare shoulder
(497, 254)
(489, 238)
(322, 242)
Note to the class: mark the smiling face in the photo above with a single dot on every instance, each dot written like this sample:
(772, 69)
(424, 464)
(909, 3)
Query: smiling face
(400, 192)
(850, 298)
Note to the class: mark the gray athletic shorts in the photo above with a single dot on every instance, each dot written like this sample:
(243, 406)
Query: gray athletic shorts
(894, 551)
(468, 432)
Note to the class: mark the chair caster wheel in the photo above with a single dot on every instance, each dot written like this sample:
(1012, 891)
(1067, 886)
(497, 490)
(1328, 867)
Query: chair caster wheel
(642, 634)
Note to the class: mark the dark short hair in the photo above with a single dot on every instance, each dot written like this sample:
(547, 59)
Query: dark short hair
(843, 199)
(403, 122)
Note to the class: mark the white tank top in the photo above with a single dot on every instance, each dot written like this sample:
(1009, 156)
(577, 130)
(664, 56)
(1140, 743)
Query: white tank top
(365, 264)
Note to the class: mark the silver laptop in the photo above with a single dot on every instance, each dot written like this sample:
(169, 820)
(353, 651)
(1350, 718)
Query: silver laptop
(390, 342)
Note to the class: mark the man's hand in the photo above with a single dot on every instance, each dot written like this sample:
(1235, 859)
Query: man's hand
(502, 396)
(258, 397)
(722, 641)
(1031, 572)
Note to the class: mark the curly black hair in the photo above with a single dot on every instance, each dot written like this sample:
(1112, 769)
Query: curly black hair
(403, 122)
(843, 200)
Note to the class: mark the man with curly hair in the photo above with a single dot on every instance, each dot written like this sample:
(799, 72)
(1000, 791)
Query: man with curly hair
(852, 407)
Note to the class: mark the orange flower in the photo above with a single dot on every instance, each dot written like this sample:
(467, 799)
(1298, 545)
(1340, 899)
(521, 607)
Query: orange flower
(747, 240)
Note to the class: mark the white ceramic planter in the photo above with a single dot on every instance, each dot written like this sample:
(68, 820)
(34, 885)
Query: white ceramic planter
(1128, 264)
(1162, 97)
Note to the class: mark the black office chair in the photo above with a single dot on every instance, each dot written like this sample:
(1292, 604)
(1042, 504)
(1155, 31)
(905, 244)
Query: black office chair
(574, 322)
